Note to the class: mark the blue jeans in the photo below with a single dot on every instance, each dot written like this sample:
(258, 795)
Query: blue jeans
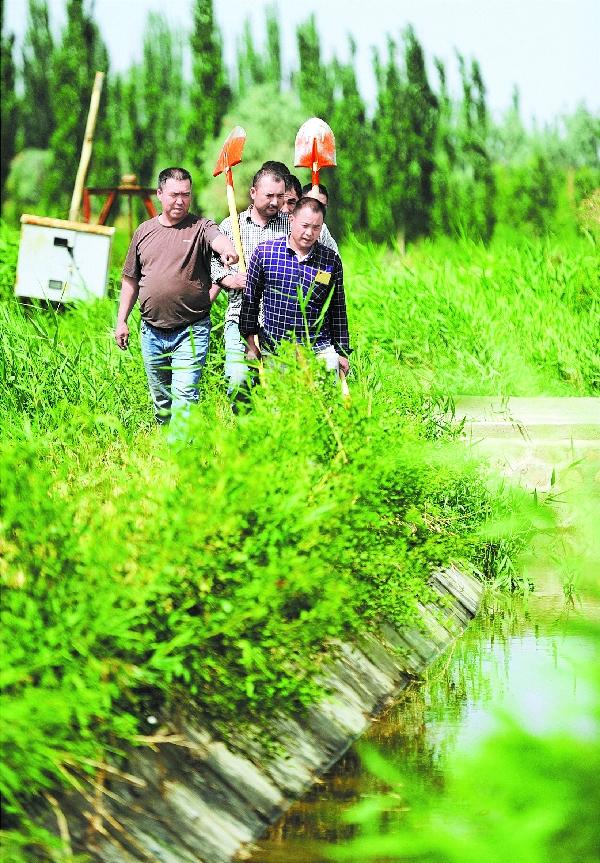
(236, 368)
(174, 360)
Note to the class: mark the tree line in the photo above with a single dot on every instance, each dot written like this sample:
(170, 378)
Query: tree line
(419, 163)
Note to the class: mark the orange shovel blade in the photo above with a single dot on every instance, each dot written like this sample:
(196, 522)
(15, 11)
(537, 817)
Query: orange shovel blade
(315, 143)
(231, 152)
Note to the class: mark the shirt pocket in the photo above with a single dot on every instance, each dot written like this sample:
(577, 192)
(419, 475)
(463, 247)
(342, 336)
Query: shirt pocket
(319, 280)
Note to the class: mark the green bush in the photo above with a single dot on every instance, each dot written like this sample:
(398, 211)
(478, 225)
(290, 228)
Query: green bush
(28, 172)
(207, 576)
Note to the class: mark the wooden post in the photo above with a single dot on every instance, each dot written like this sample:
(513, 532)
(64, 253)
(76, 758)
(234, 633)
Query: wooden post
(86, 150)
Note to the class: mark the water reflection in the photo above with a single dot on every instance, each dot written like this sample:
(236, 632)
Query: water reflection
(521, 657)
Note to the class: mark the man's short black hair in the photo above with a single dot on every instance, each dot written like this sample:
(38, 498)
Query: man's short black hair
(173, 174)
(278, 167)
(292, 182)
(311, 204)
(322, 189)
(268, 172)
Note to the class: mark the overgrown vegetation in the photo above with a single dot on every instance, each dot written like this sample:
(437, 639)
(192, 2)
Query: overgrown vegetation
(141, 577)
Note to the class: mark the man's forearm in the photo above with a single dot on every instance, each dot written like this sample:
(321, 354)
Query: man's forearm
(223, 246)
(129, 293)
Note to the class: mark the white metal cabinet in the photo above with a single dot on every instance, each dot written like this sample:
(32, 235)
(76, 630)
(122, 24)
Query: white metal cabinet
(62, 261)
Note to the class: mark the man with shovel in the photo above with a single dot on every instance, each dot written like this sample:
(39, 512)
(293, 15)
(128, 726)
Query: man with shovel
(168, 269)
(282, 268)
(262, 220)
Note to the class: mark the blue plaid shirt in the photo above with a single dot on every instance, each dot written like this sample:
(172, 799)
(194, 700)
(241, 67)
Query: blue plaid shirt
(276, 275)
(251, 234)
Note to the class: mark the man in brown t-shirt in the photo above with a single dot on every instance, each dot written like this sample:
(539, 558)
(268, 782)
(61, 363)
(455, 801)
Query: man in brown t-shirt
(168, 269)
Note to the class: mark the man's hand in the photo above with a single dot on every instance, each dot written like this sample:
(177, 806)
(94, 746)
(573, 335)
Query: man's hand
(234, 281)
(252, 349)
(344, 364)
(229, 257)
(122, 335)
(224, 248)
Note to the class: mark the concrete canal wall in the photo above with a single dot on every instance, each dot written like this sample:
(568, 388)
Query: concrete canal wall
(191, 799)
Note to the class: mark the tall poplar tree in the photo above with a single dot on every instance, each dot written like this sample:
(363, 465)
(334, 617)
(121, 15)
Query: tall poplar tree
(477, 183)
(314, 80)
(250, 64)
(161, 100)
(273, 58)
(210, 93)
(444, 205)
(79, 55)
(9, 102)
(37, 116)
(405, 129)
(350, 181)
(421, 125)
(255, 67)
(386, 212)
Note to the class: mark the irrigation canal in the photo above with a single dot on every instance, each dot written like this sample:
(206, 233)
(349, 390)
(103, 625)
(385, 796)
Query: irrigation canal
(519, 654)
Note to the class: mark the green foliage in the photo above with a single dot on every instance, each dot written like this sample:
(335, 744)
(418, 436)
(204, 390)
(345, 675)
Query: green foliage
(515, 318)
(28, 172)
(36, 105)
(349, 183)
(144, 577)
(265, 140)
(256, 68)
(421, 165)
(273, 59)
(525, 788)
(9, 103)
(204, 576)
(518, 797)
(443, 209)
(527, 195)
(386, 217)
(147, 101)
(405, 127)
(79, 55)
(313, 82)
(474, 175)
(9, 252)
(422, 121)
(64, 366)
(210, 93)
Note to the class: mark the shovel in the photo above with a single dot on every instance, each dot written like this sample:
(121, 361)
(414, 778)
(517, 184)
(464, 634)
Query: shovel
(230, 155)
(315, 148)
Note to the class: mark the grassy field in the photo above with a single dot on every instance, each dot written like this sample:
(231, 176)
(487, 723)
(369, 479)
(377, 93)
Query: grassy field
(141, 575)
(519, 319)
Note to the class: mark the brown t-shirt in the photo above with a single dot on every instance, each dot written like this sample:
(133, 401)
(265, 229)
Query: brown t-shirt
(172, 266)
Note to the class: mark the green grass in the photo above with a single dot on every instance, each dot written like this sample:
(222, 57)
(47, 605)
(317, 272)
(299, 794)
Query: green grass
(517, 319)
(146, 577)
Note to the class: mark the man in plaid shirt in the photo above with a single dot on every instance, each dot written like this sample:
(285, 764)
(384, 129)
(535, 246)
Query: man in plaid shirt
(300, 284)
(261, 221)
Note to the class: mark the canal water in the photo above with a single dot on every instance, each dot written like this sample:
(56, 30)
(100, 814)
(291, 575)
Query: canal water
(527, 657)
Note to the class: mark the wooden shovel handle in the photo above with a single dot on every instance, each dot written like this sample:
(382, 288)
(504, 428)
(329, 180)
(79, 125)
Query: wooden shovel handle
(344, 383)
(235, 223)
(315, 168)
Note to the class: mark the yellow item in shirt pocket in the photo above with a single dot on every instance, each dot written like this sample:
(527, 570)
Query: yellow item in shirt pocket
(323, 277)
